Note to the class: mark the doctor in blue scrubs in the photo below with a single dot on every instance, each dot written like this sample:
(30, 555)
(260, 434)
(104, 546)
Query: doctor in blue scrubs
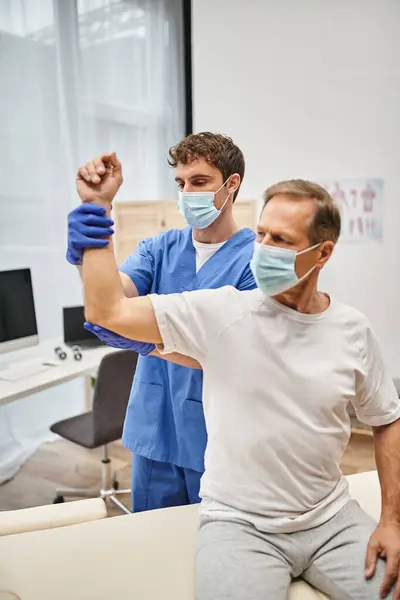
(164, 426)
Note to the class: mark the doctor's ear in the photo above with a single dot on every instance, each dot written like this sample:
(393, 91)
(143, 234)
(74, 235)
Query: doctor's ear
(233, 183)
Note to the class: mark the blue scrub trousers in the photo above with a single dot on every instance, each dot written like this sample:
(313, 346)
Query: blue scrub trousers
(159, 485)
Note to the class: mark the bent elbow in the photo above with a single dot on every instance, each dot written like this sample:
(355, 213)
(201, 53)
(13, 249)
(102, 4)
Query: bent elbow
(91, 315)
(103, 318)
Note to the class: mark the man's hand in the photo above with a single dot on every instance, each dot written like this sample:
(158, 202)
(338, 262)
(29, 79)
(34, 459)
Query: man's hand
(98, 180)
(385, 543)
(118, 341)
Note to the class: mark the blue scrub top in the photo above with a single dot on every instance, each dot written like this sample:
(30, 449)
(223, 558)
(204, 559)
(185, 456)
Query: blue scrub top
(164, 419)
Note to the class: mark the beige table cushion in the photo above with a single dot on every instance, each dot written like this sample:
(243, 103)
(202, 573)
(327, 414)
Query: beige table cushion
(52, 516)
(146, 556)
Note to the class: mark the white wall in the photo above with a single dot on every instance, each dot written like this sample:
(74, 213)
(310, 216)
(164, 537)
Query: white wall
(311, 89)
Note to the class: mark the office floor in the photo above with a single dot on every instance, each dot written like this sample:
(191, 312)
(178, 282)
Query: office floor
(63, 464)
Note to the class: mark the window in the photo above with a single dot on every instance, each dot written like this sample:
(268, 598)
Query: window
(82, 78)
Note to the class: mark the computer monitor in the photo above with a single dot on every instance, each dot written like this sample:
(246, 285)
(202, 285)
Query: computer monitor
(74, 332)
(18, 327)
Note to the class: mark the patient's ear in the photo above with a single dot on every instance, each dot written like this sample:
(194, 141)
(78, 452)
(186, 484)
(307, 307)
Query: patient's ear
(326, 252)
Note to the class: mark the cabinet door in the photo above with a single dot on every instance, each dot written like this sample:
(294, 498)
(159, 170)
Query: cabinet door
(172, 218)
(135, 221)
(245, 213)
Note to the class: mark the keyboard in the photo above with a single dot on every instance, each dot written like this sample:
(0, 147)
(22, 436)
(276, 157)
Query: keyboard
(23, 369)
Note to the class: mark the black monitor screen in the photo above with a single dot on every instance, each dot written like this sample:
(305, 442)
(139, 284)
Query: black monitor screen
(17, 307)
(74, 332)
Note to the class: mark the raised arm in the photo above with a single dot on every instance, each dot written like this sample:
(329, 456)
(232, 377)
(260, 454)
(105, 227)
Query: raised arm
(106, 304)
(105, 301)
(89, 226)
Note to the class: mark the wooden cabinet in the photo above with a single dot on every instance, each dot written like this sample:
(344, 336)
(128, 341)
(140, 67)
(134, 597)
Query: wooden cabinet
(137, 220)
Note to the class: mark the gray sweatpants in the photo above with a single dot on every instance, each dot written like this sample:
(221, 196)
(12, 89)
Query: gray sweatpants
(235, 561)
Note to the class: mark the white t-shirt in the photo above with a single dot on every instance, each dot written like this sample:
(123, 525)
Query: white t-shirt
(204, 252)
(277, 384)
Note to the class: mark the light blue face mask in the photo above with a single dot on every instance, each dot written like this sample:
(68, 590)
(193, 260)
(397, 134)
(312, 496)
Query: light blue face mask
(198, 209)
(274, 268)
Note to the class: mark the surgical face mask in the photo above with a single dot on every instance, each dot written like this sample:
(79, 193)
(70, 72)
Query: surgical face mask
(274, 268)
(198, 208)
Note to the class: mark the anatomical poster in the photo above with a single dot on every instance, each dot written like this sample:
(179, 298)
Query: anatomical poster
(361, 208)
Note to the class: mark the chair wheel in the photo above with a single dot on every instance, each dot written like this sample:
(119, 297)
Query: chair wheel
(58, 500)
(116, 485)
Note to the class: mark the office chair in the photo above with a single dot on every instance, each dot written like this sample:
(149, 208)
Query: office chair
(103, 424)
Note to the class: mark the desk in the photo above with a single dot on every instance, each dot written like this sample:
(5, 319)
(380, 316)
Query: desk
(66, 370)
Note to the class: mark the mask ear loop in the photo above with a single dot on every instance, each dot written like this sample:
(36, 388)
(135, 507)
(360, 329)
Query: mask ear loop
(312, 268)
(227, 198)
(306, 274)
(308, 249)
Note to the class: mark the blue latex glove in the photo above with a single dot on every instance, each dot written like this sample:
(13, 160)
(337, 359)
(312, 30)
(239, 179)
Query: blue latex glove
(117, 341)
(87, 228)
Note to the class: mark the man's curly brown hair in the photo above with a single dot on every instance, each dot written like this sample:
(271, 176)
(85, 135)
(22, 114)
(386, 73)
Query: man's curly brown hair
(217, 149)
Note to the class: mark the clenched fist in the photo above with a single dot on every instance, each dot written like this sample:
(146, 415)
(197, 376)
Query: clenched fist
(99, 180)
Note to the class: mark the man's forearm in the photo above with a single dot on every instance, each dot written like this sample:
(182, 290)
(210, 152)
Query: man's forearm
(130, 289)
(105, 301)
(387, 453)
(102, 283)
